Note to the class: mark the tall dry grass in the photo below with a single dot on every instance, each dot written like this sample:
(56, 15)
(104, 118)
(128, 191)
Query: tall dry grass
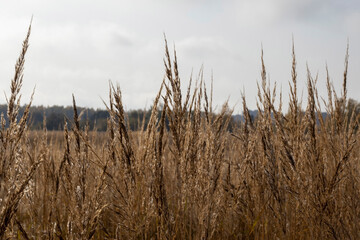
(279, 176)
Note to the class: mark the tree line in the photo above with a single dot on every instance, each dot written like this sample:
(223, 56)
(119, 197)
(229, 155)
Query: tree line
(54, 117)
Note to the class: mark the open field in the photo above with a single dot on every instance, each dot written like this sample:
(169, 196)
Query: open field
(279, 176)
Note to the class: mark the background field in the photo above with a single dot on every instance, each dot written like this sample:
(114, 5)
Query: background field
(291, 175)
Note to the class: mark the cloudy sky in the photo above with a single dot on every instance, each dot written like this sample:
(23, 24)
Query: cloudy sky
(78, 46)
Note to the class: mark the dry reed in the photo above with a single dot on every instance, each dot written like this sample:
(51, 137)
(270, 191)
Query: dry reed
(185, 175)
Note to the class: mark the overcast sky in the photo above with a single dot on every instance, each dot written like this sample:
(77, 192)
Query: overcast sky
(78, 46)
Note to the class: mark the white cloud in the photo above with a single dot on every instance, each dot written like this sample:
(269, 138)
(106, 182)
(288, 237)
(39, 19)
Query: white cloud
(352, 23)
(77, 46)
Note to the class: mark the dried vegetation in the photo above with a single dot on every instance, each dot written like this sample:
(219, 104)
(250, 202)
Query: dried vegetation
(292, 176)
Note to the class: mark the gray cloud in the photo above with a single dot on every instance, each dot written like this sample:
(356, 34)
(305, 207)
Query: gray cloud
(77, 46)
(122, 40)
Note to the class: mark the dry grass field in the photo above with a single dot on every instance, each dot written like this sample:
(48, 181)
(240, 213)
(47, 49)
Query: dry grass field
(280, 176)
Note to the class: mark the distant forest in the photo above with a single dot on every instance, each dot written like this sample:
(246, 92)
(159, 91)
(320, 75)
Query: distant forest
(97, 119)
(57, 115)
